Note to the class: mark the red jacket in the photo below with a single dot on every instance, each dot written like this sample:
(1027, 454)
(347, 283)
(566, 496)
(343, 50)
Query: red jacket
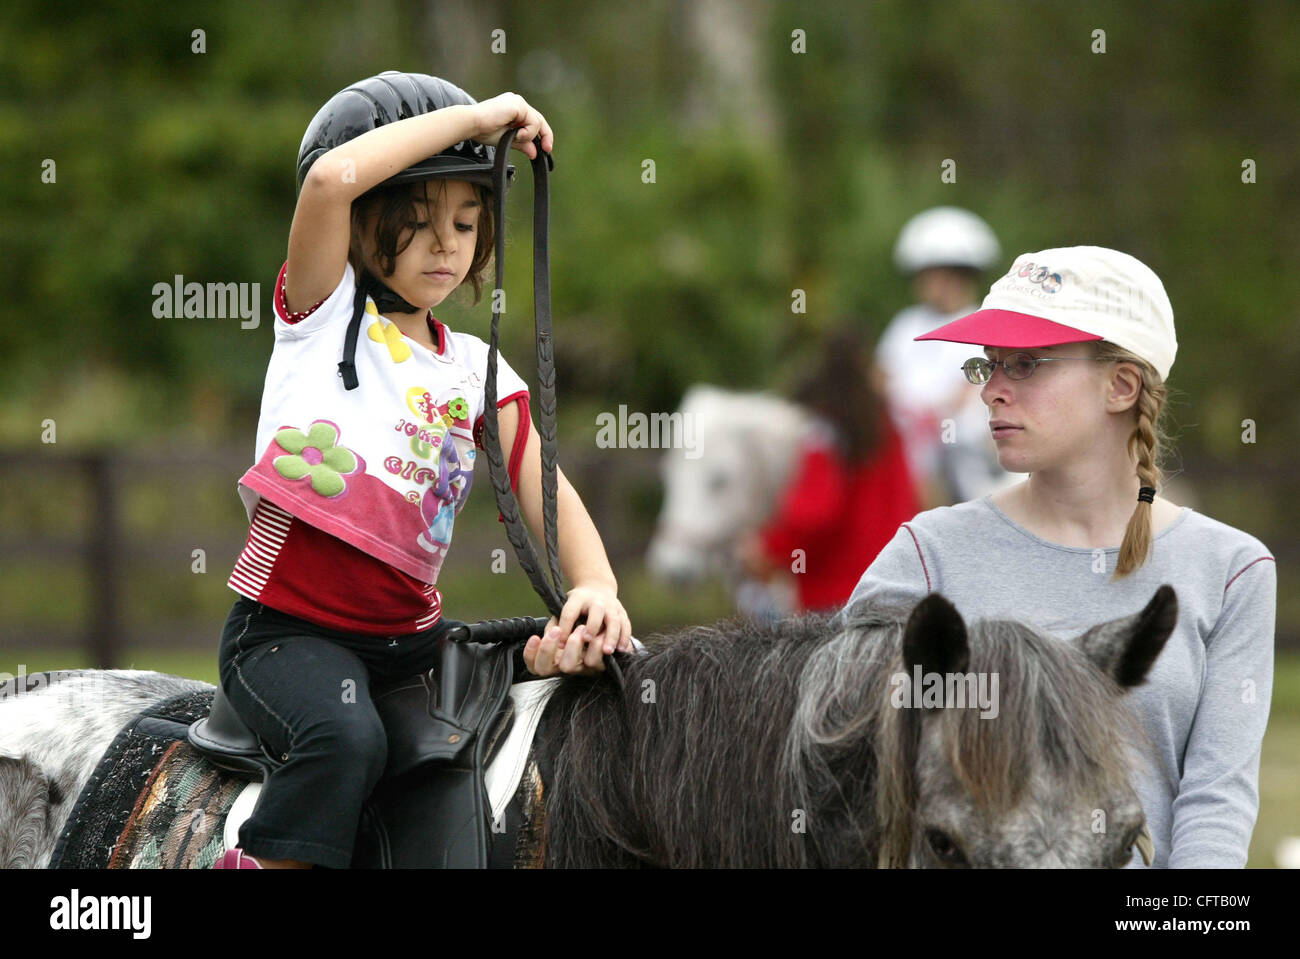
(841, 515)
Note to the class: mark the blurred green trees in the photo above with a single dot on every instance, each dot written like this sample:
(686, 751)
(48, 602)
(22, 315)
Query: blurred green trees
(774, 170)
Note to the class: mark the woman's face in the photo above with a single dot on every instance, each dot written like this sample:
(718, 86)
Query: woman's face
(441, 250)
(1055, 416)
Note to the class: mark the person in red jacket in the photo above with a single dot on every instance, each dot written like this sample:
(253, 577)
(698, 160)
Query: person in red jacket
(850, 492)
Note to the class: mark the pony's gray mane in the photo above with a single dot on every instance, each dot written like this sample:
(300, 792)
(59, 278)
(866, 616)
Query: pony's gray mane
(749, 731)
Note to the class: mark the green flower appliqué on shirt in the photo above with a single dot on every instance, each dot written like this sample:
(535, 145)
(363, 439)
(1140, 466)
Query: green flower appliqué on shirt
(315, 454)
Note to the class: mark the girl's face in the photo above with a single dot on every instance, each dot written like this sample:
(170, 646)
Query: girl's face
(1057, 415)
(441, 251)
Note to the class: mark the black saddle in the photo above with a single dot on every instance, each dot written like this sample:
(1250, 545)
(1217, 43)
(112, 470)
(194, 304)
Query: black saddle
(444, 726)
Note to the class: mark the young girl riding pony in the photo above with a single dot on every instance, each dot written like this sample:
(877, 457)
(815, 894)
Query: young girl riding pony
(366, 449)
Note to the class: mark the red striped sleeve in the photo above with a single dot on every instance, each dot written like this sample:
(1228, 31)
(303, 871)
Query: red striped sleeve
(298, 569)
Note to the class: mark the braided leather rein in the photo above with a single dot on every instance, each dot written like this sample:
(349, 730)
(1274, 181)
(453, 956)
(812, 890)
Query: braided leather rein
(550, 590)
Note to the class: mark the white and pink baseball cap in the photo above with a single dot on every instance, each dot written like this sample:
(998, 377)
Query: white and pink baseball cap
(1072, 295)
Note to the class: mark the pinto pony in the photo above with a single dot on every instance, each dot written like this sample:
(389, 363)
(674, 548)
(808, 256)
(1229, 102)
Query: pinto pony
(795, 743)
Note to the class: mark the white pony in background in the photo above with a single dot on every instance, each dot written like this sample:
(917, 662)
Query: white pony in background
(727, 485)
(745, 451)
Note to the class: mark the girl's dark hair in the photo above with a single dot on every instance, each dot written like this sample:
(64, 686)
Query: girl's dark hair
(397, 208)
(839, 389)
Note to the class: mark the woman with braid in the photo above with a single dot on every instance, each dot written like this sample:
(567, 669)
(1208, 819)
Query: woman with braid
(1078, 343)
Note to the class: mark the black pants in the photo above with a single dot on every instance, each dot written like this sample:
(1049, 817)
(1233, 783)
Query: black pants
(305, 690)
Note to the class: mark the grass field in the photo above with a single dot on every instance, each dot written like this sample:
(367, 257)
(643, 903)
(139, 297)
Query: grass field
(1279, 776)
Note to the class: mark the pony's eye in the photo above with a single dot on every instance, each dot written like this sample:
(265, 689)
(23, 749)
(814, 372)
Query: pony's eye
(944, 847)
(717, 482)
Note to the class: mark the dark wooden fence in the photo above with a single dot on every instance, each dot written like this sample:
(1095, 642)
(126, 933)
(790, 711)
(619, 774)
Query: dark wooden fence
(616, 489)
(105, 550)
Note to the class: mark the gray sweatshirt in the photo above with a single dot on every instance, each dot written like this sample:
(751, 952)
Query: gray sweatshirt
(1205, 703)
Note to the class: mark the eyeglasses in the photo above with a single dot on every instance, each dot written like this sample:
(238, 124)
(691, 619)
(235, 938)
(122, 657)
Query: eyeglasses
(1017, 366)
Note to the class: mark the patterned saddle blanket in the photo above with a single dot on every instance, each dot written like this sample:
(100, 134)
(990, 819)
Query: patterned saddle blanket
(152, 801)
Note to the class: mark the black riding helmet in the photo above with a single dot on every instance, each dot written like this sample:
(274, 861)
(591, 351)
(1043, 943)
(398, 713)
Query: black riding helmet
(387, 98)
(365, 106)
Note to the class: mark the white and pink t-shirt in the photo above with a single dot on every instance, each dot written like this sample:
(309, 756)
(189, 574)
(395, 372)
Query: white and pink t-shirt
(363, 486)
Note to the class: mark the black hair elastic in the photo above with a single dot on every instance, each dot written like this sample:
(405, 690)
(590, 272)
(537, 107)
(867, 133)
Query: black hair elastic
(1146, 495)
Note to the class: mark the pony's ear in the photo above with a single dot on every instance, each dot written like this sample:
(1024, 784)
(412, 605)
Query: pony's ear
(1125, 648)
(935, 637)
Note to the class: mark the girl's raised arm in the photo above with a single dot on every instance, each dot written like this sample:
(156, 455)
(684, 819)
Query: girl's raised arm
(321, 230)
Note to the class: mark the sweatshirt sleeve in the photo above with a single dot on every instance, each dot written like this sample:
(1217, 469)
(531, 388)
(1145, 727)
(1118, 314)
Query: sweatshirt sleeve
(899, 575)
(1218, 796)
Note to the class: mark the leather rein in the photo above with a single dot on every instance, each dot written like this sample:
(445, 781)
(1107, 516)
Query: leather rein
(550, 590)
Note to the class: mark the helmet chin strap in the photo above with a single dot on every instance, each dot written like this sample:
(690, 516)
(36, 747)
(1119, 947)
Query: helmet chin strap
(385, 299)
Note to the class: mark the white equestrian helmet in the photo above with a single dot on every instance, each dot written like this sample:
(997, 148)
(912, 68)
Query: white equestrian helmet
(945, 236)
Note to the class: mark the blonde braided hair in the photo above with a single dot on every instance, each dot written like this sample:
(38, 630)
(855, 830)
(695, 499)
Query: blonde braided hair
(1147, 446)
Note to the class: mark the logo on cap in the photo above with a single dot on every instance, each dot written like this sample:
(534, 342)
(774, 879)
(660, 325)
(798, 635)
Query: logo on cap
(1038, 274)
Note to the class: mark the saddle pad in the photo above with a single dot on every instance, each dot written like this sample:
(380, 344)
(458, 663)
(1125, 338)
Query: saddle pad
(504, 772)
(152, 801)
